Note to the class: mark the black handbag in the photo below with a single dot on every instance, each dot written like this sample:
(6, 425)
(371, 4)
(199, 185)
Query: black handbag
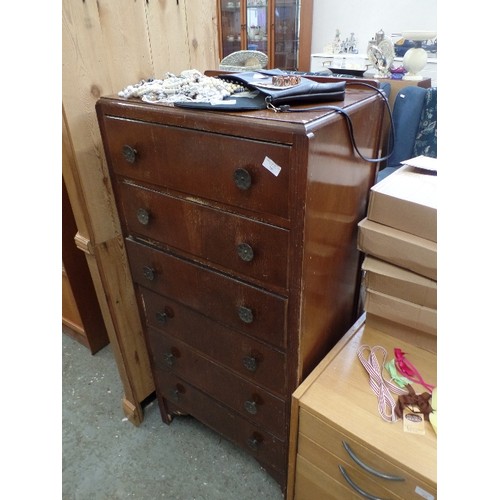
(292, 89)
(262, 93)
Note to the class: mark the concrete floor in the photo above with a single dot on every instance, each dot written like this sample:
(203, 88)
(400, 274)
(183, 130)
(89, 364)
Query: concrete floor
(105, 457)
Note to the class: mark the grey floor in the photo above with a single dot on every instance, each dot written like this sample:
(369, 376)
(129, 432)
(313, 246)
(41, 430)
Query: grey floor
(105, 457)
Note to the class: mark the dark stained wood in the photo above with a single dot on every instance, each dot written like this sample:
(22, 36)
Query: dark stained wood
(265, 409)
(305, 36)
(241, 353)
(203, 165)
(81, 315)
(195, 230)
(213, 294)
(293, 303)
(184, 398)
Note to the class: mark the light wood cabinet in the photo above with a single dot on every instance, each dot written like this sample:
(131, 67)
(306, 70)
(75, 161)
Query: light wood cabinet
(335, 413)
(281, 29)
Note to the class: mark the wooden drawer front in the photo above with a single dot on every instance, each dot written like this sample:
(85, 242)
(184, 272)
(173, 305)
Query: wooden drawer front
(182, 397)
(201, 164)
(329, 465)
(330, 439)
(241, 353)
(237, 243)
(232, 302)
(249, 400)
(312, 483)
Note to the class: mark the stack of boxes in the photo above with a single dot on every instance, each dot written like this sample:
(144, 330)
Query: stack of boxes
(399, 240)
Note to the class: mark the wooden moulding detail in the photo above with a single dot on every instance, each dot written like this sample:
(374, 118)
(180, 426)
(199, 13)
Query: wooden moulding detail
(133, 412)
(84, 244)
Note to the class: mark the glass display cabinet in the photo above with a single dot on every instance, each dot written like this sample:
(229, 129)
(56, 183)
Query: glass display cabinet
(281, 29)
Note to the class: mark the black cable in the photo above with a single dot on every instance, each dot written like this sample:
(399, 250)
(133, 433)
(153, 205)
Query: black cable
(286, 108)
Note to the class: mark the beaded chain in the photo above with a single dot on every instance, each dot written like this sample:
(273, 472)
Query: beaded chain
(190, 85)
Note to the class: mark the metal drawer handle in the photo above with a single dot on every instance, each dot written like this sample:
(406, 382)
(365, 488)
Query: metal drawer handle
(129, 153)
(254, 441)
(369, 469)
(175, 394)
(169, 358)
(251, 407)
(143, 216)
(163, 316)
(245, 252)
(355, 487)
(242, 179)
(245, 314)
(250, 363)
(149, 273)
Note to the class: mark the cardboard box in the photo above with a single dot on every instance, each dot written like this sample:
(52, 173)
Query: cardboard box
(419, 318)
(402, 332)
(406, 200)
(392, 280)
(398, 247)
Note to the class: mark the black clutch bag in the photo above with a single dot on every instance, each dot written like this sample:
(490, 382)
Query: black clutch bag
(280, 91)
(279, 87)
(270, 89)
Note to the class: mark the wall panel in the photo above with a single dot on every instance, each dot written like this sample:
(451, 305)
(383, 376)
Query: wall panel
(106, 45)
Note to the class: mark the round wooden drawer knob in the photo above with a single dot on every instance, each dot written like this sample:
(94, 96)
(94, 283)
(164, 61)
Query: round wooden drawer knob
(149, 273)
(245, 314)
(129, 153)
(245, 252)
(242, 179)
(143, 216)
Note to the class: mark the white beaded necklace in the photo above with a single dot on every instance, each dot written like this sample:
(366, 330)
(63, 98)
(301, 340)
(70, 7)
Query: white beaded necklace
(190, 85)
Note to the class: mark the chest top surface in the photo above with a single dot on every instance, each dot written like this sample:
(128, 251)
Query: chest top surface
(257, 124)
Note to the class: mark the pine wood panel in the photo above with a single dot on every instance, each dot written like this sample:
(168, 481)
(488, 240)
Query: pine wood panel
(182, 36)
(116, 299)
(106, 45)
(84, 79)
(169, 46)
(202, 32)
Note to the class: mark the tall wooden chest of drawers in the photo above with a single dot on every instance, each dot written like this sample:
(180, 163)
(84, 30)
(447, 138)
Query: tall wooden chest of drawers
(240, 230)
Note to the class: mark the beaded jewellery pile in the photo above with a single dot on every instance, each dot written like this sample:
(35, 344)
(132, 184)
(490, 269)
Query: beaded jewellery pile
(190, 85)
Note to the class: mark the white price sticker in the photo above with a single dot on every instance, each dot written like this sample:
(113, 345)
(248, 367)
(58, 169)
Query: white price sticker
(424, 494)
(270, 165)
